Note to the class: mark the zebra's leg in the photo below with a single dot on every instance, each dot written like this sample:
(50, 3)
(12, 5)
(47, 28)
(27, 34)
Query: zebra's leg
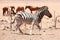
(18, 24)
(25, 25)
(32, 27)
(37, 24)
(39, 27)
(18, 28)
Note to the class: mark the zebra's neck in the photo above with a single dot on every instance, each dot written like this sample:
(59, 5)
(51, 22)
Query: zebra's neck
(40, 15)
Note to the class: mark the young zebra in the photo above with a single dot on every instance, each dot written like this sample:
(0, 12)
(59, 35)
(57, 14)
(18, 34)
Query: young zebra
(29, 18)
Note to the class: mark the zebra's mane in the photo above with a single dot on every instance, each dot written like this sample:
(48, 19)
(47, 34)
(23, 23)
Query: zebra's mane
(43, 8)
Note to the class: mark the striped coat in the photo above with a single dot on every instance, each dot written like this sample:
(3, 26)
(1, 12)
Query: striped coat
(29, 18)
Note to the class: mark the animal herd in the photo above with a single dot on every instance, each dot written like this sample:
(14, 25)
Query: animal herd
(14, 10)
(22, 16)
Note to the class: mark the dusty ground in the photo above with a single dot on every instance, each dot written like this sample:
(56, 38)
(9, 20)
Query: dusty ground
(46, 33)
(43, 34)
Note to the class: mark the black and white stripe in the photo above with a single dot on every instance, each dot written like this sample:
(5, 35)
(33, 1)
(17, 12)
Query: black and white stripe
(25, 15)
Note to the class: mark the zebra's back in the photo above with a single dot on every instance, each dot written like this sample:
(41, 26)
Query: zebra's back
(25, 15)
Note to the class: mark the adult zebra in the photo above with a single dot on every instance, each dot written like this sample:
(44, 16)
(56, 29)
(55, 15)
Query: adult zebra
(33, 19)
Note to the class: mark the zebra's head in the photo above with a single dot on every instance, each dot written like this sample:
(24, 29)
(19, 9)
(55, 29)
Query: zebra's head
(44, 11)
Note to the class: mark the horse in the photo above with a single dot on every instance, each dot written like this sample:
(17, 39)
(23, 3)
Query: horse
(8, 9)
(29, 18)
(32, 8)
(19, 9)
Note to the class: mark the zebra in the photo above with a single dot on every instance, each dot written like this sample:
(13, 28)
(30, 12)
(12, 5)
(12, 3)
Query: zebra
(32, 19)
